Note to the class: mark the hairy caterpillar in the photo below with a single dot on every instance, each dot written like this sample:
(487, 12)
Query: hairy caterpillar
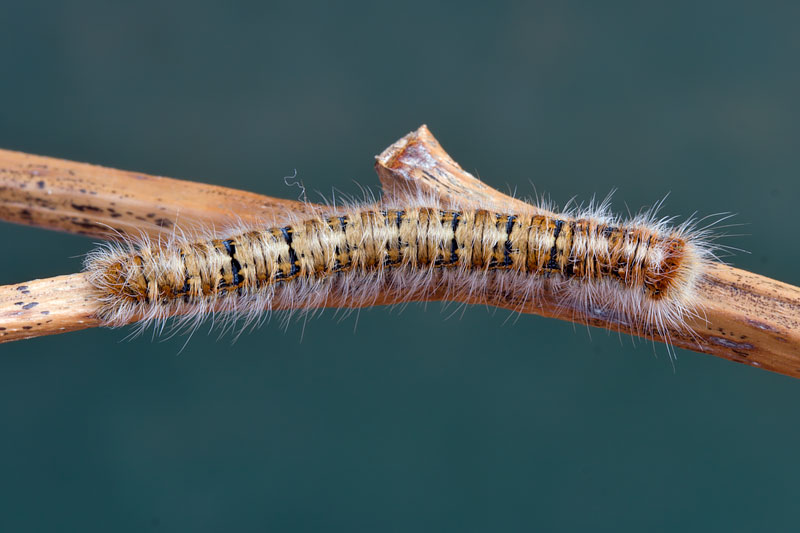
(641, 271)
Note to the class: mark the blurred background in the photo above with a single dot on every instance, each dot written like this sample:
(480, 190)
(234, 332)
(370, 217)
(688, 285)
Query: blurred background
(407, 420)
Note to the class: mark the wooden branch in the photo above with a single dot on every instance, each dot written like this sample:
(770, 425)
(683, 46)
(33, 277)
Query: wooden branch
(748, 318)
(46, 307)
(97, 201)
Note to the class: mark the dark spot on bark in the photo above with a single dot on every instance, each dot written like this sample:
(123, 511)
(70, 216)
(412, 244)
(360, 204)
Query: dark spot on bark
(761, 325)
(731, 344)
(85, 224)
(84, 208)
(30, 305)
(40, 184)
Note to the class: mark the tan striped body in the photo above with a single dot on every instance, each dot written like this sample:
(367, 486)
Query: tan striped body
(418, 238)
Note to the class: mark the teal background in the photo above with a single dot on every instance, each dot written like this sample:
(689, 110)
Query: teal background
(409, 420)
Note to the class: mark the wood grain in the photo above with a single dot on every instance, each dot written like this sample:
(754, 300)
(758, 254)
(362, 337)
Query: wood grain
(747, 318)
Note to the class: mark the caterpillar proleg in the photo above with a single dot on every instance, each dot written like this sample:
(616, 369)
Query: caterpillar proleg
(641, 271)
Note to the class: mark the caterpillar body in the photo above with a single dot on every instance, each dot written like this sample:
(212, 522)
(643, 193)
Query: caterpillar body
(642, 271)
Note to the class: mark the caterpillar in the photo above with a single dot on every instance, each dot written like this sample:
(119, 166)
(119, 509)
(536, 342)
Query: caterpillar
(641, 271)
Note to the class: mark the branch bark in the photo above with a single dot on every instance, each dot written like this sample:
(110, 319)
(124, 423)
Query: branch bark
(98, 201)
(749, 319)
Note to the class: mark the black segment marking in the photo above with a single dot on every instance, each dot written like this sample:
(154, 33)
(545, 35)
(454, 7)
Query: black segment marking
(507, 250)
(569, 270)
(185, 279)
(399, 222)
(287, 236)
(454, 242)
(552, 263)
(337, 265)
(144, 276)
(236, 267)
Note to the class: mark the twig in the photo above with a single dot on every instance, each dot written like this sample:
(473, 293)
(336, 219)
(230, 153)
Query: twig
(46, 307)
(748, 318)
(97, 201)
